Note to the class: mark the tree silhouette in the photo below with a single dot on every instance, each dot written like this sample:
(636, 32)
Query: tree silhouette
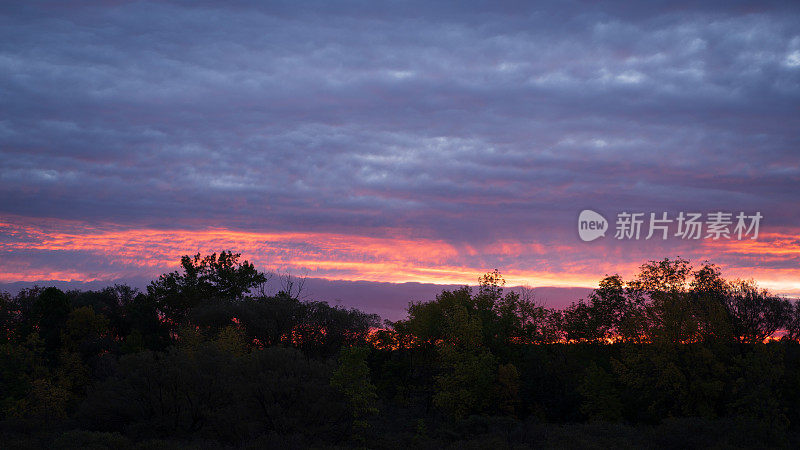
(209, 279)
(677, 356)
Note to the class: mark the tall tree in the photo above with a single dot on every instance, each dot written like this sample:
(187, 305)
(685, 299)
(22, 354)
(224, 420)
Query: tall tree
(210, 279)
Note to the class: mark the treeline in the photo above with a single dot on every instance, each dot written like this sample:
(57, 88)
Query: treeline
(206, 357)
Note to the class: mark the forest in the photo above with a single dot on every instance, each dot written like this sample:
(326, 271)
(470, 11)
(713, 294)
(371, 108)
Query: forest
(209, 357)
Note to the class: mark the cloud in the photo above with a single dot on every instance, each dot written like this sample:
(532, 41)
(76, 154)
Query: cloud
(466, 125)
(72, 253)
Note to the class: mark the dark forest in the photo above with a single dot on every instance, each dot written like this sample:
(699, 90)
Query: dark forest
(207, 357)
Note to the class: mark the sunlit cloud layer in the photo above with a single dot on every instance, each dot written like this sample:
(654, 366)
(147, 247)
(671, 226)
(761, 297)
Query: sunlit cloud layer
(37, 254)
(393, 142)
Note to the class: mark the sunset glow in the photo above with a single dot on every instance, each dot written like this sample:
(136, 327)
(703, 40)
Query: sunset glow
(108, 254)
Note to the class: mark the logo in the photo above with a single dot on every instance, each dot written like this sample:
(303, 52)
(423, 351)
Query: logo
(685, 225)
(591, 225)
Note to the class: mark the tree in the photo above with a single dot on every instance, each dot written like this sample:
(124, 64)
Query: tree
(608, 314)
(467, 368)
(269, 319)
(755, 313)
(112, 302)
(427, 320)
(351, 378)
(6, 317)
(520, 319)
(147, 330)
(232, 340)
(209, 279)
(20, 364)
(673, 380)
(85, 332)
(579, 323)
(661, 290)
(709, 292)
(50, 311)
(508, 389)
(793, 322)
(45, 402)
(601, 395)
(610, 306)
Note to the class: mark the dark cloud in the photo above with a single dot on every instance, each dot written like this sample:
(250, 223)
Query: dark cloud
(465, 122)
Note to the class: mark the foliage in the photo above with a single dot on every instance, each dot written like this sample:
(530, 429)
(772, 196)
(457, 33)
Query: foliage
(209, 279)
(676, 357)
(351, 378)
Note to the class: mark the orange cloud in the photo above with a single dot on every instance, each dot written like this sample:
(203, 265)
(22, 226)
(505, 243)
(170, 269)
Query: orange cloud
(325, 255)
(396, 258)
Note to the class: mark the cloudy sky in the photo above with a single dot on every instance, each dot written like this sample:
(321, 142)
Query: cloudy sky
(394, 141)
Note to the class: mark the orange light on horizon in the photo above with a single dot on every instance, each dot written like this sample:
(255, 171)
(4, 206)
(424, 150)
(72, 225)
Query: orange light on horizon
(394, 257)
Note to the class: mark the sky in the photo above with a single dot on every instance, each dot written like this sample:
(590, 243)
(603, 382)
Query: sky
(394, 142)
